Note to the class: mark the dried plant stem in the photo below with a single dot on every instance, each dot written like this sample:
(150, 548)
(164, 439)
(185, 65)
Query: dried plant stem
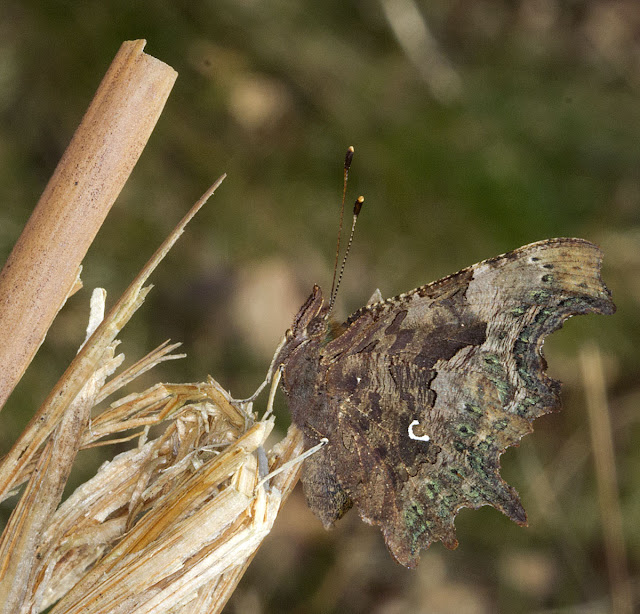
(604, 456)
(193, 545)
(42, 270)
(172, 524)
(22, 535)
(86, 372)
(79, 371)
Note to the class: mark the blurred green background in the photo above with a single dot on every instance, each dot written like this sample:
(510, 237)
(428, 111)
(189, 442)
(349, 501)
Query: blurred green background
(478, 125)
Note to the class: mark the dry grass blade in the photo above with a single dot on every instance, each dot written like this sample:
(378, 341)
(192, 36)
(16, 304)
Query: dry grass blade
(160, 354)
(23, 532)
(604, 456)
(174, 522)
(195, 517)
(59, 426)
(135, 411)
(86, 362)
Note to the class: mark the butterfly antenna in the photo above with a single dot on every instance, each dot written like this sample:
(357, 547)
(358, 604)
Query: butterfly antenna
(347, 165)
(356, 212)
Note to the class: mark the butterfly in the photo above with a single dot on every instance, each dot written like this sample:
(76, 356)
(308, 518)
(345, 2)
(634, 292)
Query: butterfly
(419, 395)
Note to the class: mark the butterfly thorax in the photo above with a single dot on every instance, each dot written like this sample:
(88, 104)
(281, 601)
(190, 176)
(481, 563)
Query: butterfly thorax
(300, 357)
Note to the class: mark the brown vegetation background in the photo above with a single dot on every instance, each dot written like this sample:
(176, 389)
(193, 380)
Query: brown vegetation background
(478, 125)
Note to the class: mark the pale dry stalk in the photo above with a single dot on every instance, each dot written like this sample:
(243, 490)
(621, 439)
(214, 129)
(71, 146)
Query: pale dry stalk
(40, 273)
(196, 541)
(174, 522)
(22, 534)
(43, 268)
(606, 475)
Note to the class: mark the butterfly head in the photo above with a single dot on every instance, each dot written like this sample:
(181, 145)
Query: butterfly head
(300, 349)
(310, 324)
(311, 319)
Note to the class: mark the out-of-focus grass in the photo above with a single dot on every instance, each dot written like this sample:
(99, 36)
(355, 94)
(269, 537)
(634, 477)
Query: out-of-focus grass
(542, 139)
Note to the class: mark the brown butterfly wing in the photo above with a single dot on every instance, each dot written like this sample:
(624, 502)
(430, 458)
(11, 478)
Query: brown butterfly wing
(458, 361)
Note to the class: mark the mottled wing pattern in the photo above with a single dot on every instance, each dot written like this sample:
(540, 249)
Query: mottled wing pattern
(458, 361)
